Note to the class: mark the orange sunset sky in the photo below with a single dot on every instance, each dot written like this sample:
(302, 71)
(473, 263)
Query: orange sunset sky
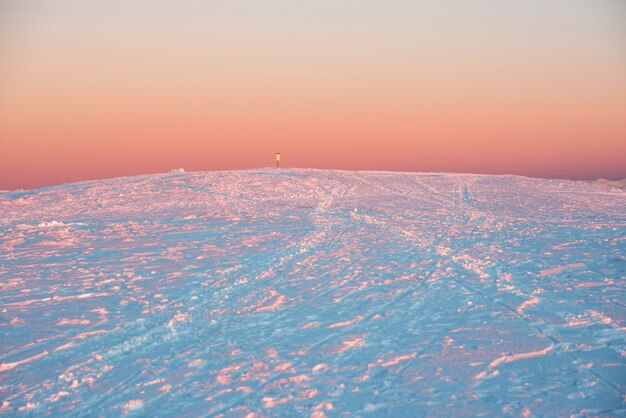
(103, 89)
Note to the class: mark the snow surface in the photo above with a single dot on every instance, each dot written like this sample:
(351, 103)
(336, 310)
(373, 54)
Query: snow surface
(316, 293)
(620, 184)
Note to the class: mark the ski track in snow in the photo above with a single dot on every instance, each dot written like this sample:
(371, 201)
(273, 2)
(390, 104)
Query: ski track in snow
(313, 293)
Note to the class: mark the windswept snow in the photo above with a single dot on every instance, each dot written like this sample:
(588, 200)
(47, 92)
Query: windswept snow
(313, 293)
(618, 184)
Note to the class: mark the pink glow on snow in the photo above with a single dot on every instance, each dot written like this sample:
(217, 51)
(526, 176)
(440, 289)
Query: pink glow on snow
(310, 325)
(196, 363)
(530, 302)
(83, 296)
(154, 382)
(57, 396)
(9, 366)
(308, 394)
(283, 367)
(179, 317)
(86, 334)
(223, 379)
(132, 405)
(354, 341)
(270, 402)
(319, 367)
(218, 394)
(397, 360)
(65, 321)
(514, 357)
(520, 356)
(28, 406)
(346, 323)
(327, 406)
(277, 304)
(559, 269)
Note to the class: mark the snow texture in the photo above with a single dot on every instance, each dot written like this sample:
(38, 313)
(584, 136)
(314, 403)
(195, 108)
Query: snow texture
(315, 293)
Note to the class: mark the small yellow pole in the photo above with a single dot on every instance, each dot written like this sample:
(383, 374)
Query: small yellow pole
(277, 159)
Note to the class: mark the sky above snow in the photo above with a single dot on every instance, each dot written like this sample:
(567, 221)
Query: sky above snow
(102, 89)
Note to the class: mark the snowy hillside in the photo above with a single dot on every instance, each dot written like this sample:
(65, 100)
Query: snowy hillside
(313, 293)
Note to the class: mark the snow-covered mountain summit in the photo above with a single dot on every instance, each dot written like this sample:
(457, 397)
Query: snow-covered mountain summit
(312, 293)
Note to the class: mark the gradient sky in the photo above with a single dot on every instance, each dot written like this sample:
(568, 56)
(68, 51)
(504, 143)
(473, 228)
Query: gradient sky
(121, 87)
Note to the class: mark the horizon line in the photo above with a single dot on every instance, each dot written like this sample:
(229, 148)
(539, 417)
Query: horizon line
(271, 168)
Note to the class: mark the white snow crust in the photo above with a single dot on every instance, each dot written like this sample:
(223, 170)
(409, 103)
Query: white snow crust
(297, 292)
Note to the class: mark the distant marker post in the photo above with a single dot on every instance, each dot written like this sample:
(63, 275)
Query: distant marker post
(277, 159)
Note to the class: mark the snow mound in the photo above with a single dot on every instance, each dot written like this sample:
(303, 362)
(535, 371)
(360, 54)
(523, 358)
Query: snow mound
(618, 184)
(51, 224)
(299, 292)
